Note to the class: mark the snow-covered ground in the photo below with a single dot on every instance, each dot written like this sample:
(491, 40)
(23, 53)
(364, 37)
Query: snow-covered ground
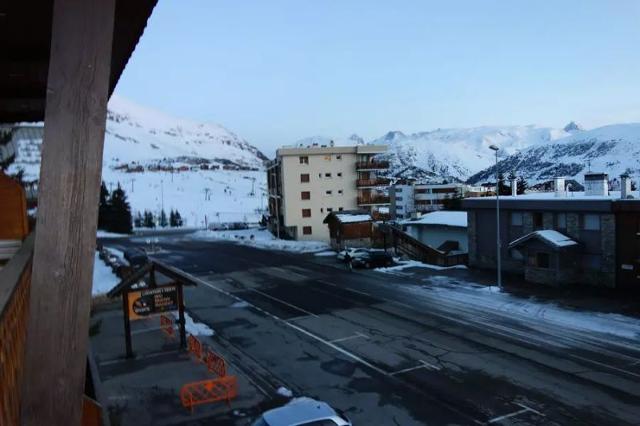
(220, 196)
(103, 278)
(261, 239)
(405, 264)
(193, 327)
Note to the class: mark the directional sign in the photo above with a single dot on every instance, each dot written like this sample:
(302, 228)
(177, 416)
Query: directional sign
(153, 301)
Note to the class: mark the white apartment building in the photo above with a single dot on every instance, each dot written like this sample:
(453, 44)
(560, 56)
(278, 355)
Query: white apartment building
(409, 198)
(307, 183)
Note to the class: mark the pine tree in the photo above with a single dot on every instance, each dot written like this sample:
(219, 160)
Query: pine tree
(138, 222)
(522, 185)
(172, 219)
(120, 212)
(103, 208)
(148, 220)
(179, 221)
(503, 189)
(163, 219)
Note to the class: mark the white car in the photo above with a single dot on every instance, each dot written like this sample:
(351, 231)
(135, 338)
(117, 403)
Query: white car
(303, 412)
(353, 252)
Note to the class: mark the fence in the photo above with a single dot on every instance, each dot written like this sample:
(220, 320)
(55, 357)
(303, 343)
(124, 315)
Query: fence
(208, 391)
(417, 250)
(15, 283)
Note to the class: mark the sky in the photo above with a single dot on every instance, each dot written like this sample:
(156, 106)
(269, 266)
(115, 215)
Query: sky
(278, 71)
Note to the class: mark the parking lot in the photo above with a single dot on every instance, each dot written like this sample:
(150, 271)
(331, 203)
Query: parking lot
(396, 348)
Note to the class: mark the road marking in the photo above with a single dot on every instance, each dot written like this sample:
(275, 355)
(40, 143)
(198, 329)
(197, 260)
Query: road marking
(525, 409)
(355, 336)
(284, 302)
(423, 364)
(301, 317)
(344, 288)
(338, 348)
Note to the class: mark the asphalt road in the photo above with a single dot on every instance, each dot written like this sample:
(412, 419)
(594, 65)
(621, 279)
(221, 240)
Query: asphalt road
(385, 352)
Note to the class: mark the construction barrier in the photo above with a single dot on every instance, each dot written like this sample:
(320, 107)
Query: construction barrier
(195, 347)
(208, 391)
(166, 324)
(215, 363)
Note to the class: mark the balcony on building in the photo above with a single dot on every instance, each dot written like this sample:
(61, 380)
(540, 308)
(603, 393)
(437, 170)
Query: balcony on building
(373, 200)
(372, 182)
(372, 165)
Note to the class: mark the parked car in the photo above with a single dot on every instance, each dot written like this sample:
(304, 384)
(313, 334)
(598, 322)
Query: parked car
(352, 252)
(372, 259)
(303, 411)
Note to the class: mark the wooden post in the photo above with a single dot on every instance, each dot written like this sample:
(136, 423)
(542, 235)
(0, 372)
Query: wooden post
(127, 323)
(75, 119)
(183, 331)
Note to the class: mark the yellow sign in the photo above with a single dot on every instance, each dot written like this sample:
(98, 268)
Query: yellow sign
(152, 301)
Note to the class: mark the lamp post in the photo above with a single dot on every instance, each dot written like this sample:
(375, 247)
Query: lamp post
(495, 149)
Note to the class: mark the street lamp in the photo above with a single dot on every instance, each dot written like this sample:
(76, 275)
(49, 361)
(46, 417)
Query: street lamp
(495, 149)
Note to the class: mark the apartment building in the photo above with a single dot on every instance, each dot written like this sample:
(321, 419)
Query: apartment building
(307, 183)
(560, 237)
(408, 198)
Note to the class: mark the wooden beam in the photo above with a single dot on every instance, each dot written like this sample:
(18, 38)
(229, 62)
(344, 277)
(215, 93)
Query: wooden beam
(75, 116)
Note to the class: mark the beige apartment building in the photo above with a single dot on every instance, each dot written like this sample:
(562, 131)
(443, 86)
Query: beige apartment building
(307, 183)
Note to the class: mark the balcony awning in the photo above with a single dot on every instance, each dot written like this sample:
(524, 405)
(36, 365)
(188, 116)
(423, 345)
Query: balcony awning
(25, 40)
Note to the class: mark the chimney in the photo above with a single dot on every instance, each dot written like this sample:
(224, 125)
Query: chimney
(625, 186)
(514, 187)
(596, 184)
(559, 186)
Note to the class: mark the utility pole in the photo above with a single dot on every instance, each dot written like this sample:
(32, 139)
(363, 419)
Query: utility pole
(162, 194)
(132, 180)
(498, 244)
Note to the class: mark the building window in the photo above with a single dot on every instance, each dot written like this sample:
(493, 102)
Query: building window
(541, 260)
(305, 195)
(399, 207)
(340, 191)
(329, 209)
(340, 209)
(327, 175)
(398, 198)
(561, 221)
(537, 220)
(321, 209)
(398, 189)
(304, 177)
(516, 219)
(339, 174)
(328, 192)
(306, 230)
(304, 159)
(339, 157)
(592, 222)
(306, 212)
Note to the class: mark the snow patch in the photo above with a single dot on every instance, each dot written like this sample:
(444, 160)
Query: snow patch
(103, 277)
(195, 328)
(284, 392)
(261, 239)
(404, 264)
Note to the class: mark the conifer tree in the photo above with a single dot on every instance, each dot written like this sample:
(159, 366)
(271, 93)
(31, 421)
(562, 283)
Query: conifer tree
(120, 214)
(162, 221)
(149, 222)
(172, 219)
(522, 185)
(179, 221)
(103, 208)
(138, 222)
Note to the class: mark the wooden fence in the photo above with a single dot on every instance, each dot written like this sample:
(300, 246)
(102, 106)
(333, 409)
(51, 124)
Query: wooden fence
(415, 249)
(15, 283)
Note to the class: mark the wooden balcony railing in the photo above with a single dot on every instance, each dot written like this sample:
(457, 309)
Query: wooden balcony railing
(373, 199)
(372, 165)
(15, 283)
(373, 182)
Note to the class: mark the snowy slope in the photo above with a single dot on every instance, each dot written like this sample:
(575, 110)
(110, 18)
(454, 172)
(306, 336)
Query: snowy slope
(458, 153)
(138, 134)
(614, 149)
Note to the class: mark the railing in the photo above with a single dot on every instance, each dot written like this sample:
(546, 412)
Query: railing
(373, 182)
(372, 165)
(374, 199)
(15, 283)
(417, 250)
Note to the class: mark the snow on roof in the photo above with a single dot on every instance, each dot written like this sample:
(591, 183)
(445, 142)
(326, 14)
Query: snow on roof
(551, 196)
(549, 236)
(447, 218)
(352, 218)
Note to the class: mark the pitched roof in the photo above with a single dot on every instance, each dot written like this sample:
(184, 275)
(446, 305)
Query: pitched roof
(553, 238)
(447, 218)
(350, 216)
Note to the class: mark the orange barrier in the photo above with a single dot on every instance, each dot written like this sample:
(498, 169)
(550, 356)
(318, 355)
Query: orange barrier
(195, 347)
(166, 324)
(215, 363)
(208, 391)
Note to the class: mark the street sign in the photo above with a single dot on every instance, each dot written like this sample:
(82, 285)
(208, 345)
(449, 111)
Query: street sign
(153, 301)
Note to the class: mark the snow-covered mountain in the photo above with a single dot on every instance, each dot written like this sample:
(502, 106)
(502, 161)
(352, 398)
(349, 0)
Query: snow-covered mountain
(201, 169)
(614, 149)
(139, 135)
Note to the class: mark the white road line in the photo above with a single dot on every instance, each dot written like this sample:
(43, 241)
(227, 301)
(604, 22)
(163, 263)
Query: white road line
(284, 302)
(530, 409)
(423, 364)
(338, 348)
(355, 336)
(301, 317)
(506, 416)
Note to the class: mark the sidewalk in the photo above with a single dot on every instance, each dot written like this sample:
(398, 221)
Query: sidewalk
(145, 390)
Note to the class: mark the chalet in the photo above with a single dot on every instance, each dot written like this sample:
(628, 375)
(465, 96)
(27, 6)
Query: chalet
(353, 228)
(442, 230)
(561, 237)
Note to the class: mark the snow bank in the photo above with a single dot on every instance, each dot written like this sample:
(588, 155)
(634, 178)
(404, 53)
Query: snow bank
(353, 218)
(404, 264)
(103, 278)
(195, 328)
(284, 392)
(261, 239)
(105, 234)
